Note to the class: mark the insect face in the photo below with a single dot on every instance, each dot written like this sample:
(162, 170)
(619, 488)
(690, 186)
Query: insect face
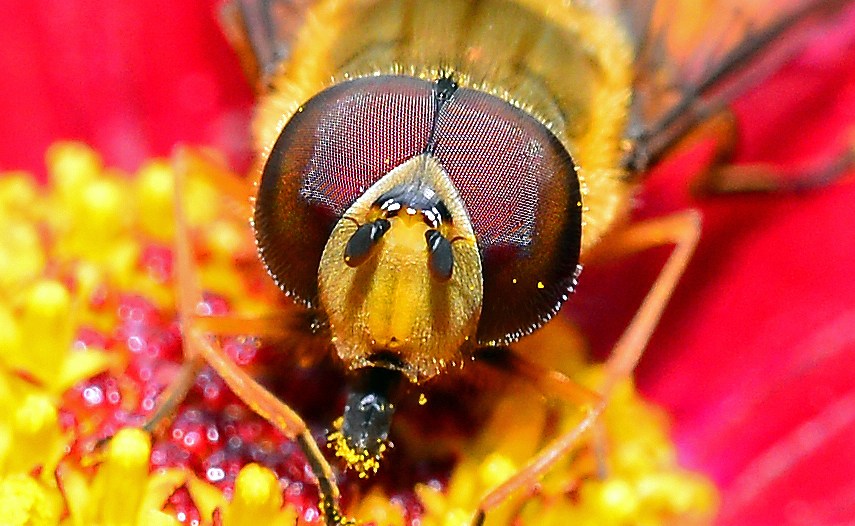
(432, 192)
(414, 302)
(427, 218)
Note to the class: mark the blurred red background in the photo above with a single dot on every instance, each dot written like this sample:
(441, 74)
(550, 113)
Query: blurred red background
(755, 355)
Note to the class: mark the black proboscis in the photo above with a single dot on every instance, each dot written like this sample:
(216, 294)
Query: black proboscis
(369, 409)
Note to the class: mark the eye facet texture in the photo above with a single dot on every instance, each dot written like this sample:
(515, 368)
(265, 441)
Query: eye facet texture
(516, 179)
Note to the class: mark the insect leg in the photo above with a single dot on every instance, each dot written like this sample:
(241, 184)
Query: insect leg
(198, 345)
(759, 177)
(721, 176)
(551, 383)
(174, 394)
(272, 326)
(682, 230)
(240, 192)
(267, 326)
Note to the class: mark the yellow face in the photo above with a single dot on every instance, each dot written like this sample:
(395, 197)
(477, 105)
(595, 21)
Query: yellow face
(392, 301)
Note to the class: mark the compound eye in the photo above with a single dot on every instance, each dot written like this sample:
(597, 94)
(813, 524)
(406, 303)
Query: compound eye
(363, 240)
(515, 178)
(441, 259)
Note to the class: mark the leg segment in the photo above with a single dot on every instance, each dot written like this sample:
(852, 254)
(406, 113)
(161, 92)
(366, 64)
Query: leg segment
(549, 382)
(743, 178)
(681, 230)
(200, 347)
(721, 176)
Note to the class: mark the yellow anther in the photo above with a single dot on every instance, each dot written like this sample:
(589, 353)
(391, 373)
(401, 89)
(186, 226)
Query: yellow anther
(22, 256)
(121, 480)
(18, 194)
(496, 469)
(104, 211)
(225, 239)
(27, 502)
(121, 262)
(617, 500)
(154, 193)
(46, 320)
(678, 492)
(36, 435)
(70, 166)
(157, 518)
(201, 201)
(457, 517)
(377, 508)
(36, 418)
(10, 337)
(129, 451)
(257, 498)
(257, 487)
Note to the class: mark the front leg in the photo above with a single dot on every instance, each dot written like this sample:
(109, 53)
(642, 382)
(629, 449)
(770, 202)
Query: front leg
(681, 230)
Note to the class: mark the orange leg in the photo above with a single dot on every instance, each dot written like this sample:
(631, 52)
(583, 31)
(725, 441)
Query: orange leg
(200, 347)
(270, 326)
(683, 231)
(551, 383)
(240, 192)
(757, 177)
(721, 176)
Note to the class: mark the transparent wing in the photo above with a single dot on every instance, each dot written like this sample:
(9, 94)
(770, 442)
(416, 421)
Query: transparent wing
(262, 32)
(695, 56)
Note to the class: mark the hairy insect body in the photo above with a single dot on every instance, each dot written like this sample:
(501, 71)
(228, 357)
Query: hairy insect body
(432, 172)
(568, 68)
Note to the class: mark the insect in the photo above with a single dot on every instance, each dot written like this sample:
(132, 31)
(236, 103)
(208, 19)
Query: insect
(430, 194)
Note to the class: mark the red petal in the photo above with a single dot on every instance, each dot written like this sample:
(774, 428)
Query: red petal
(754, 356)
(131, 79)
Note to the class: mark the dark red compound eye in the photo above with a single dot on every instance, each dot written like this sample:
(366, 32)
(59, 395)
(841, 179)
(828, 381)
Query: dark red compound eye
(514, 176)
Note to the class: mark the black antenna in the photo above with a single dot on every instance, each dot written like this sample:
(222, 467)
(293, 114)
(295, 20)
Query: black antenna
(443, 92)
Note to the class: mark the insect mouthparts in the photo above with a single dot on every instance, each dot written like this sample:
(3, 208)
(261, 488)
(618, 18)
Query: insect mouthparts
(362, 433)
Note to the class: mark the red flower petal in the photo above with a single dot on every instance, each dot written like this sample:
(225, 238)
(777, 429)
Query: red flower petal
(131, 79)
(754, 356)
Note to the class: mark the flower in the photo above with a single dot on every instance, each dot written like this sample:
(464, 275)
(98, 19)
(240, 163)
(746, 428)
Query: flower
(105, 288)
(753, 356)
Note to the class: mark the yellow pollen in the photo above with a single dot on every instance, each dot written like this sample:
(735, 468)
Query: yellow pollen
(361, 461)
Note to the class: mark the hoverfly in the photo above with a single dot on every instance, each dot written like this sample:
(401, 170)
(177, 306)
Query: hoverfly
(432, 175)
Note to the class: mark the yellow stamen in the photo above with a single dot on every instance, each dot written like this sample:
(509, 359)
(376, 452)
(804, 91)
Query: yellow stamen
(25, 501)
(157, 518)
(22, 256)
(154, 189)
(47, 322)
(36, 437)
(121, 479)
(71, 165)
(257, 500)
